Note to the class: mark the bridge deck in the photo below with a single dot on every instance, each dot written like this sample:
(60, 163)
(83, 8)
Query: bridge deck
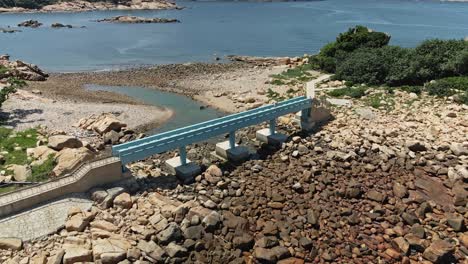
(179, 138)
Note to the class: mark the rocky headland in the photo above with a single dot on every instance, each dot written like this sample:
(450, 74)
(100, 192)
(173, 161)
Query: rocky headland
(82, 6)
(21, 70)
(137, 20)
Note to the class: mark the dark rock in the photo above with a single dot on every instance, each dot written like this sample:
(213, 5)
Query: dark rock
(409, 219)
(416, 146)
(194, 232)
(312, 217)
(376, 196)
(456, 223)
(30, 23)
(171, 233)
(267, 242)
(244, 242)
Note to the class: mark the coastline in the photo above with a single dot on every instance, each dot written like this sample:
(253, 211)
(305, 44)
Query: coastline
(85, 6)
(229, 87)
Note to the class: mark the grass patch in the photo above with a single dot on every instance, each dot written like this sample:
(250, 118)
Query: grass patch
(274, 96)
(15, 145)
(351, 92)
(7, 189)
(294, 75)
(380, 101)
(448, 86)
(3, 69)
(41, 172)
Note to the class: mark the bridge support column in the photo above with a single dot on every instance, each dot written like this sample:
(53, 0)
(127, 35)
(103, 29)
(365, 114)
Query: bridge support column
(270, 136)
(229, 150)
(184, 169)
(319, 112)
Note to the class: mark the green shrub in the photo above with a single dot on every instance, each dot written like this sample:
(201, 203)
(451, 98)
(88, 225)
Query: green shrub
(435, 59)
(363, 56)
(355, 38)
(360, 37)
(351, 92)
(448, 86)
(363, 66)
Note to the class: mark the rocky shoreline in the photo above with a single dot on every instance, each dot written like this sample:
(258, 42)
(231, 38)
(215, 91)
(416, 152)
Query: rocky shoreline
(85, 6)
(137, 20)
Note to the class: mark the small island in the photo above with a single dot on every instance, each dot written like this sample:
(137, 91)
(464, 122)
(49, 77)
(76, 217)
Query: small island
(137, 20)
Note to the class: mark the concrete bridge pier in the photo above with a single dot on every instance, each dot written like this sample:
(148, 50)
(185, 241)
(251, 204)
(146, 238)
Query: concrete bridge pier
(184, 169)
(229, 150)
(270, 136)
(318, 113)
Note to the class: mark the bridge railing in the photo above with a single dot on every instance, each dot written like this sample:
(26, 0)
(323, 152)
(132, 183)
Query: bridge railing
(116, 149)
(179, 138)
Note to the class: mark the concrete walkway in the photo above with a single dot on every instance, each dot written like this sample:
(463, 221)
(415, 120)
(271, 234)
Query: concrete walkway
(43, 219)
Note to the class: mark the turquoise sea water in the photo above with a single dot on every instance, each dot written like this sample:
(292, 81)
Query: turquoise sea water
(210, 29)
(186, 110)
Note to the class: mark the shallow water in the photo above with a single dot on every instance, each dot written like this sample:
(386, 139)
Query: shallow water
(210, 29)
(186, 110)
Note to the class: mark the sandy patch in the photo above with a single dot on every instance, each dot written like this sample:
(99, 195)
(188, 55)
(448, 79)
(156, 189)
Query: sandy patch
(25, 110)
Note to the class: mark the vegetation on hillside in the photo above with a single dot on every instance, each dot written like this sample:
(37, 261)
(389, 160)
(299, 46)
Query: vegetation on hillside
(362, 56)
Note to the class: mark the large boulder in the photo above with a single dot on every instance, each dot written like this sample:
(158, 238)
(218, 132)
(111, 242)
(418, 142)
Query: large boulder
(40, 154)
(69, 158)
(22, 70)
(107, 123)
(60, 142)
(77, 254)
(20, 172)
(11, 243)
(102, 123)
(123, 201)
(111, 249)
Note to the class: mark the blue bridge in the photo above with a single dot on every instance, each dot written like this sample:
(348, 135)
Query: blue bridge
(180, 138)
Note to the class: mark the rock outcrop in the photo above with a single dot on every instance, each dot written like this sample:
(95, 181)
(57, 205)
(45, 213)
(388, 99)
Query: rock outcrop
(59, 142)
(137, 20)
(60, 25)
(30, 23)
(69, 158)
(21, 70)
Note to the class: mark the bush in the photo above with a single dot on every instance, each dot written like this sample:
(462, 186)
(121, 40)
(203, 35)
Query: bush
(448, 86)
(347, 42)
(360, 37)
(363, 56)
(435, 59)
(374, 66)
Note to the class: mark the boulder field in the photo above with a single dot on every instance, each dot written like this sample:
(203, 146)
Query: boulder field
(371, 186)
